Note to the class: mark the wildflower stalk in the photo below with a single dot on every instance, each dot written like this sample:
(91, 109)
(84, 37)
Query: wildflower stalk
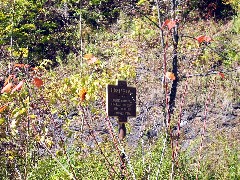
(208, 100)
(101, 151)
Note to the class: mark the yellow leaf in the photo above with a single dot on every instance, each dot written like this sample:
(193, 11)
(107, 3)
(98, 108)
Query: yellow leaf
(88, 56)
(82, 94)
(59, 153)
(11, 157)
(2, 121)
(170, 76)
(49, 142)
(32, 116)
(37, 138)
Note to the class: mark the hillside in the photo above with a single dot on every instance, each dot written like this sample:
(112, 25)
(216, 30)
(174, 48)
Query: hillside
(57, 59)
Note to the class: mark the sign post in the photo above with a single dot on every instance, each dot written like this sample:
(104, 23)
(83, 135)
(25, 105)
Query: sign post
(121, 103)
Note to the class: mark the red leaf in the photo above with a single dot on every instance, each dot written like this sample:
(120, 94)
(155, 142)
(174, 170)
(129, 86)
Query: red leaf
(165, 23)
(203, 38)
(200, 39)
(37, 82)
(169, 23)
(221, 74)
(21, 65)
(18, 87)
(7, 88)
(208, 39)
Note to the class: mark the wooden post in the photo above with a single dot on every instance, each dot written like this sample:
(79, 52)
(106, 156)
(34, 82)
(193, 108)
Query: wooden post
(121, 103)
(122, 131)
(122, 134)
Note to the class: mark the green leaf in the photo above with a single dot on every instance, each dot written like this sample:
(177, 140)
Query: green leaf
(2, 121)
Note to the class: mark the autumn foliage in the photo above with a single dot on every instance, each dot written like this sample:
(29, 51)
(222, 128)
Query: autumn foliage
(53, 121)
(12, 84)
(82, 94)
(2, 108)
(170, 76)
(37, 82)
(203, 38)
(169, 23)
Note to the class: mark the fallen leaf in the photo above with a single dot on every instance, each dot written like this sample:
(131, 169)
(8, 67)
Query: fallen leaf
(37, 82)
(18, 87)
(2, 108)
(7, 88)
(203, 38)
(82, 94)
(170, 76)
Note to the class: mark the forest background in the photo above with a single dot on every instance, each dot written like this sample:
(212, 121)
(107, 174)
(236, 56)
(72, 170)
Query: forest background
(57, 57)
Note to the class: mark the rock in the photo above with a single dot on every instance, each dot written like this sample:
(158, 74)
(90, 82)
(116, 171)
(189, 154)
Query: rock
(72, 114)
(151, 134)
(183, 123)
(236, 106)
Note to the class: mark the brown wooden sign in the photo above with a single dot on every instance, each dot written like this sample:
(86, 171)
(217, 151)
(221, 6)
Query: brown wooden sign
(121, 101)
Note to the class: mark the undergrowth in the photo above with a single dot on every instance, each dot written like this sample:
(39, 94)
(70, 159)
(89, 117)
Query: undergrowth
(54, 124)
